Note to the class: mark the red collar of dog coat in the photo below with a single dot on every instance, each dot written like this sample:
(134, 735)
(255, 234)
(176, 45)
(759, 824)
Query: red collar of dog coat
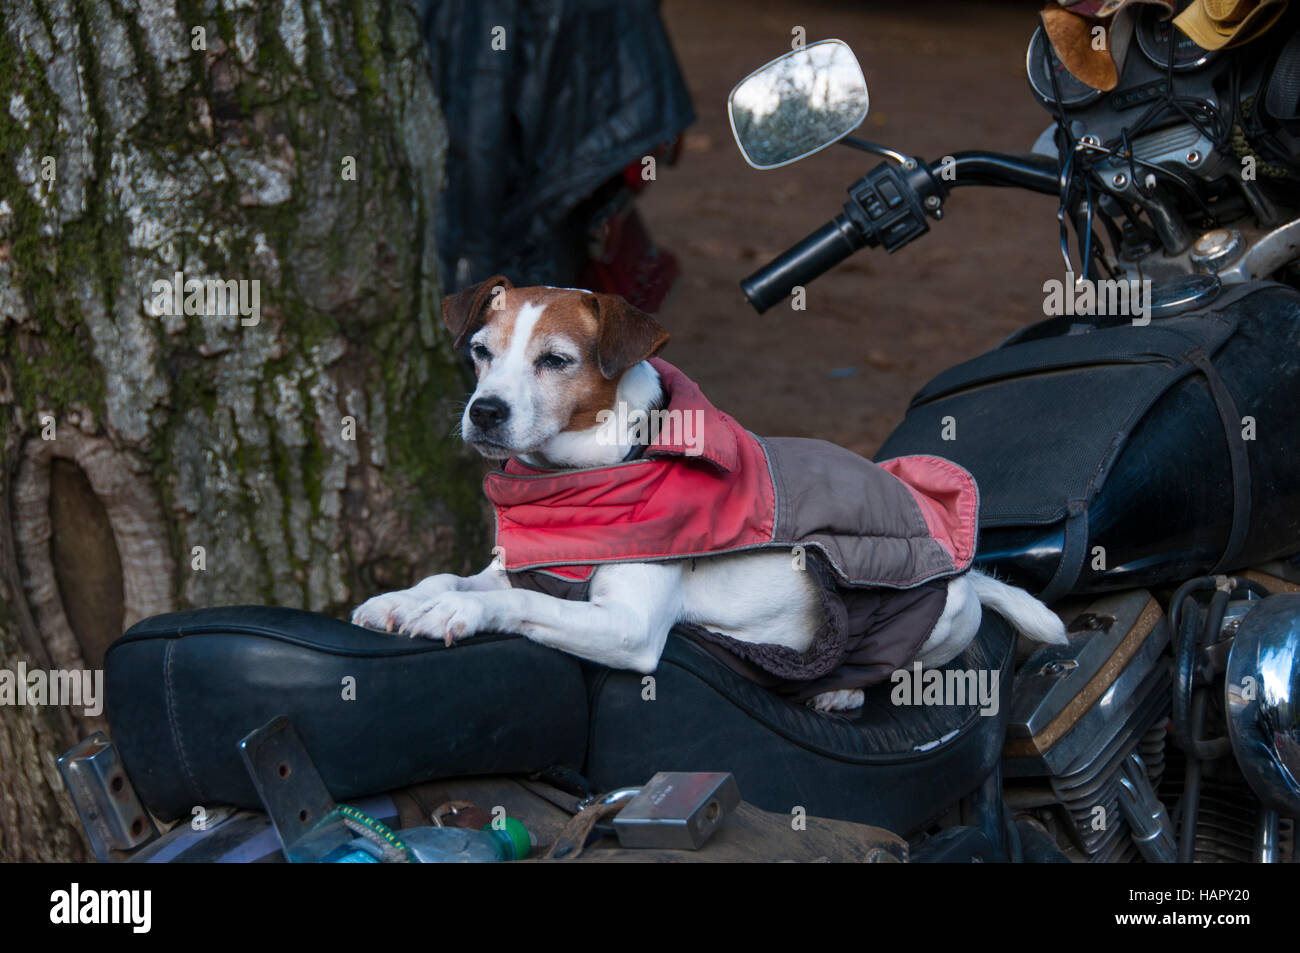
(906, 520)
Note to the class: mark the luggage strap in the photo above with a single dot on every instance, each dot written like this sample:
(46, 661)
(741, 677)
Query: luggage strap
(573, 839)
(1237, 458)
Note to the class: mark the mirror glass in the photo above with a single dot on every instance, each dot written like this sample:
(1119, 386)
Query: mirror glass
(798, 104)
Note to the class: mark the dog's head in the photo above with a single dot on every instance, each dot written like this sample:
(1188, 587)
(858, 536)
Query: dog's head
(548, 361)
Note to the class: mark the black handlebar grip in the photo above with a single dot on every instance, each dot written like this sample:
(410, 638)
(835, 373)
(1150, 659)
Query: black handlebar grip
(815, 255)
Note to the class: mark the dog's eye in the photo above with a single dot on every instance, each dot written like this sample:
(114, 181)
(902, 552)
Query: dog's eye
(553, 361)
(480, 353)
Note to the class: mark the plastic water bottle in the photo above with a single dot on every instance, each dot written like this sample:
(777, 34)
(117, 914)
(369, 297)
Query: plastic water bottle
(459, 845)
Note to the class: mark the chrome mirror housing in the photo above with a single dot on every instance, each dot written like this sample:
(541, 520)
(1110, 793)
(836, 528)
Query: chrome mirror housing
(1262, 688)
(798, 104)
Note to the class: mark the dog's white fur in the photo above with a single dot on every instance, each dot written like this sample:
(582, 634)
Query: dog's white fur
(754, 597)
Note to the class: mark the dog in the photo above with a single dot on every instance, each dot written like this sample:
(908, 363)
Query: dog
(553, 365)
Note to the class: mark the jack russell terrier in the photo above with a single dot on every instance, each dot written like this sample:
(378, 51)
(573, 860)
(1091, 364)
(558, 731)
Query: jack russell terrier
(627, 505)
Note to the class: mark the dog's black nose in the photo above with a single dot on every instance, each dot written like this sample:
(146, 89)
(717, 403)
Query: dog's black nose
(487, 412)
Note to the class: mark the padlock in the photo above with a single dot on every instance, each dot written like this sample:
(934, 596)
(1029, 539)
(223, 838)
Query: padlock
(677, 810)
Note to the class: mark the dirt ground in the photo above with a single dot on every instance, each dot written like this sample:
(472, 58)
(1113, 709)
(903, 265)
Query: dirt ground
(944, 77)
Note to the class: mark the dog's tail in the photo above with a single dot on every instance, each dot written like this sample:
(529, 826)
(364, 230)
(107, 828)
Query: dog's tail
(1026, 614)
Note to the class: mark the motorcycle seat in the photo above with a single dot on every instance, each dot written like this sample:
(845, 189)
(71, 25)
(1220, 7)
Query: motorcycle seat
(889, 765)
(375, 711)
(379, 712)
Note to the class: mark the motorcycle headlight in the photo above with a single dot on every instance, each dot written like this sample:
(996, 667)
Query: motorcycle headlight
(1262, 685)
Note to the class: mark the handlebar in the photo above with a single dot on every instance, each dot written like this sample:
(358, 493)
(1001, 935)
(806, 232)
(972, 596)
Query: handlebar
(1030, 171)
(888, 207)
(815, 255)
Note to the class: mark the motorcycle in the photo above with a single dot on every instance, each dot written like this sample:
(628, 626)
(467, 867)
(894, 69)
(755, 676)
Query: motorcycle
(1130, 532)
(1134, 467)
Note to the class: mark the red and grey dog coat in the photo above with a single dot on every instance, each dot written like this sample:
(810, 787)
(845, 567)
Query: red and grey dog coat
(881, 539)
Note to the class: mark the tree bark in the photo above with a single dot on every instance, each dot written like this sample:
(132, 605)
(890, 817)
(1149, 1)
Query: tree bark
(153, 461)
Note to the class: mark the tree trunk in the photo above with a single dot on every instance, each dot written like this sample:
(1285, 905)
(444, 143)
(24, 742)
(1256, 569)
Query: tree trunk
(289, 444)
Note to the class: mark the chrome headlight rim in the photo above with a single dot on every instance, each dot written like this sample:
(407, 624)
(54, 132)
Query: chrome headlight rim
(1262, 701)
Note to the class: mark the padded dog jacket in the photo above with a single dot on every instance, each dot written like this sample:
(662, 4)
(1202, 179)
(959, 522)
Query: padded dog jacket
(879, 538)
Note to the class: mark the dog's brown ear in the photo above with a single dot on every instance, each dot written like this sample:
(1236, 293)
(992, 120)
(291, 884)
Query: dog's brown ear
(463, 311)
(627, 334)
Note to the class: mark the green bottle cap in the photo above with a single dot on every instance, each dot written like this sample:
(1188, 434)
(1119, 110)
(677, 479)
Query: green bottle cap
(514, 838)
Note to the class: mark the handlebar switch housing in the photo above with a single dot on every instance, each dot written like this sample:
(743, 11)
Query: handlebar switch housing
(887, 207)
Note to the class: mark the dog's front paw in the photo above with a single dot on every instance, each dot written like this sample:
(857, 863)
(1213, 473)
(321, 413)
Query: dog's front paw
(450, 616)
(844, 700)
(390, 612)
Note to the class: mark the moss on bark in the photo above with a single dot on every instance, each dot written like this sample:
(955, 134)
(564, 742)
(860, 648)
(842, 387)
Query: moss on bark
(226, 163)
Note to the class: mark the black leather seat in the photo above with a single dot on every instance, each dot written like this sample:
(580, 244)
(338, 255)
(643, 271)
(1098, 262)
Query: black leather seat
(184, 688)
(891, 766)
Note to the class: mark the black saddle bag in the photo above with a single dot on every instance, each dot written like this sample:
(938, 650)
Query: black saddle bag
(375, 711)
(1120, 456)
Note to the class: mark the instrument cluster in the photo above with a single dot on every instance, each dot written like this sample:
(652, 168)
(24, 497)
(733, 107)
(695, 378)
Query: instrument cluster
(1144, 80)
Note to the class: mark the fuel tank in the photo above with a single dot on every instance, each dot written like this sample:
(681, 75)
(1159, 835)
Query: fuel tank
(1111, 455)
